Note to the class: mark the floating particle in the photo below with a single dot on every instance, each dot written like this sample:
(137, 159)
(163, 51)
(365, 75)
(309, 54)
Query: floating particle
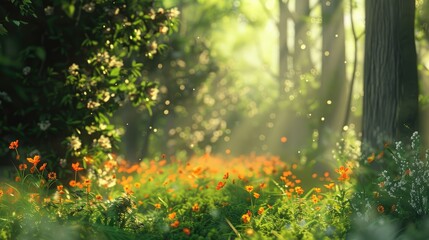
(283, 139)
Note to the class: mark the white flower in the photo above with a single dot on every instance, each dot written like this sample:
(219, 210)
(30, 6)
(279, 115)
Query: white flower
(92, 105)
(89, 7)
(74, 142)
(43, 125)
(74, 69)
(26, 70)
(173, 13)
(114, 62)
(104, 142)
(153, 93)
(49, 10)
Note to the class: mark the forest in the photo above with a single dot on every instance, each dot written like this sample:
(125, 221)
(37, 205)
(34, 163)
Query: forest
(208, 119)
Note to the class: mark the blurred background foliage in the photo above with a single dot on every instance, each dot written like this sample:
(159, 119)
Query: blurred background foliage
(233, 77)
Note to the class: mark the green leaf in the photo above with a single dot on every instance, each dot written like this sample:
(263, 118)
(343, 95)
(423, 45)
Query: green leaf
(69, 9)
(3, 30)
(16, 22)
(40, 53)
(115, 72)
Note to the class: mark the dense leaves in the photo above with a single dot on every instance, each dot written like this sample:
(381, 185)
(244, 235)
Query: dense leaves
(67, 66)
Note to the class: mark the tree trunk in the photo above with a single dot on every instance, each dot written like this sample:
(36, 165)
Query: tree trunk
(301, 59)
(283, 44)
(390, 103)
(333, 75)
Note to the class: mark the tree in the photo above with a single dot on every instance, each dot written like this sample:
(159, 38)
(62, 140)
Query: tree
(283, 42)
(390, 102)
(302, 59)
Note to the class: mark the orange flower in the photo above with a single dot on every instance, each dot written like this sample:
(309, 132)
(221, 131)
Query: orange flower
(157, 205)
(299, 190)
(32, 169)
(261, 210)
(99, 197)
(326, 174)
(318, 190)
(1, 193)
(314, 198)
(344, 173)
(76, 167)
(172, 215)
(220, 185)
(13, 145)
(329, 186)
(128, 190)
(196, 207)
(187, 231)
(86, 183)
(43, 167)
(17, 179)
(22, 166)
(226, 176)
(52, 175)
(263, 185)
(380, 209)
(10, 191)
(175, 224)
(60, 189)
(246, 218)
(34, 160)
(256, 195)
(249, 188)
(371, 158)
(380, 155)
(72, 183)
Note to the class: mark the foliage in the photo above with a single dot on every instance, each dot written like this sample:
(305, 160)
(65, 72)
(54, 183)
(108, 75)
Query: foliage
(202, 197)
(68, 66)
(399, 196)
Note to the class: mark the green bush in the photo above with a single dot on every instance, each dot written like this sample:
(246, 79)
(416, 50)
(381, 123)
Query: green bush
(67, 66)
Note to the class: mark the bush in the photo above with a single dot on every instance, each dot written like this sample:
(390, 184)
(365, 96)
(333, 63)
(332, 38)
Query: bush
(68, 65)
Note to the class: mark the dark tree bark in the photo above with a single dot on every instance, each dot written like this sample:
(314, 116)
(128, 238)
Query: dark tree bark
(333, 75)
(390, 103)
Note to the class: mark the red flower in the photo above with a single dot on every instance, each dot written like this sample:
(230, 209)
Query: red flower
(175, 224)
(13, 144)
(220, 185)
(187, 231)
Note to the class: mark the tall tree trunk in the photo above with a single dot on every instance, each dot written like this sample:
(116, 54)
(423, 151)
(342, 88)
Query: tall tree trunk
(390, 103)
(283, 44)
(301, 58)
(333, 75)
